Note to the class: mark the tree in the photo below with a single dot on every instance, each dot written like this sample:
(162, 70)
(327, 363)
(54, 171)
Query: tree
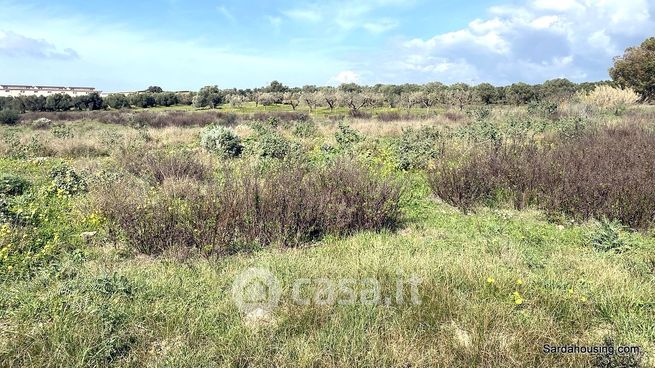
(166, 98)
(143, 100)
(276, 87)
(487, 93)
(390, 94)
(267, 99)
(559, 89)
(460, 94)
(154, 89)
(521, 93)
(117, 101)
(185, 98)
(636, 69)
(34, 103)
(354, 101)
(293, 99)
(235, 100)
(310, 98)
(58, 102)
(91, 101)
(350, 88)
(329, 96)
(208, 96)
(9, 117)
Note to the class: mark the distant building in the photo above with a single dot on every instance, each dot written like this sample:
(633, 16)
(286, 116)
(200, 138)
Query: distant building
(13, 90)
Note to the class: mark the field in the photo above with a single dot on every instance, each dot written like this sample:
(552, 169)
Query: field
(512, 228)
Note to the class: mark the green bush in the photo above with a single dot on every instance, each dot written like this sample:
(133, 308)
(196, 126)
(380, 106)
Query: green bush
(221, 140)
(12, 184)
(346, 136)
(66, 181)
(62, 131)
(9, 117)
(304, 129)
(273, 145)
(5, 213)
(607, 236)
(417, 147)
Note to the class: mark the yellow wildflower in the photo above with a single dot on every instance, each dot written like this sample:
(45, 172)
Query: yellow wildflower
(519, 282)
(490, 280)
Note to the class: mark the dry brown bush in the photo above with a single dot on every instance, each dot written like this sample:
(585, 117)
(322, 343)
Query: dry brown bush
(287, 205)
(606, 173)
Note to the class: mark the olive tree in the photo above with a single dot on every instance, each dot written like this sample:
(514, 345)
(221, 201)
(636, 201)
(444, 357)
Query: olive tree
(117, 101)
(636, 69)
(208, 96)
(291, 98)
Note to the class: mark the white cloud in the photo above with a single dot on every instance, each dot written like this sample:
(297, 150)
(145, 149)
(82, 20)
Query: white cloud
(346, 76)
(380, 26)
(541, 40)
(348, 15)
(16, 45)
(305, 15)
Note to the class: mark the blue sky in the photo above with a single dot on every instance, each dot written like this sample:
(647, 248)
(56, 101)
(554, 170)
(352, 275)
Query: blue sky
(185, 44)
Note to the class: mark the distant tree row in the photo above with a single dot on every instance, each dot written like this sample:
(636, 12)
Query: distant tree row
(354, 96)
(93, 101)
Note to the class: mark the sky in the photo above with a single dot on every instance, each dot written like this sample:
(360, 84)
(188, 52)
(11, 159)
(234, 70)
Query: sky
(123, 45)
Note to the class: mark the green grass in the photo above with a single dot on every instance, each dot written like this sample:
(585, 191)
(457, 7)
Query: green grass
(107, 306)
(97, 303)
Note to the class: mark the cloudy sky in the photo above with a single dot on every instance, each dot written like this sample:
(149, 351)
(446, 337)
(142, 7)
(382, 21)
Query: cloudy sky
(123, 45)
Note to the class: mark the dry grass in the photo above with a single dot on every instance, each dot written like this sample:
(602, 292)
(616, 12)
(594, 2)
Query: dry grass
(607, 97)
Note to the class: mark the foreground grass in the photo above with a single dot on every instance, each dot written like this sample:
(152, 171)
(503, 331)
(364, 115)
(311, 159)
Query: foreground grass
(109, 307)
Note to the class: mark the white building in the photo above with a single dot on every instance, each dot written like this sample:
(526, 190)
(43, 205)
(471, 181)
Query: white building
(13, 90)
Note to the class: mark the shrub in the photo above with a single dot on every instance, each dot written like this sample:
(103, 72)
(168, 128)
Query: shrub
(221, 140)
(480, 131)
(12, 184)
(596, 174)
(608, 97)
(346, 136)
(9, 117)
(62, 132)
(6, 215)
(305, 129)
(66, 181)
(607, 236)
(394, 116)
(158, 166)
(41, 123)
(417, 147)
(266, 142)
(288, 205)
(272, 145)
(545, 109)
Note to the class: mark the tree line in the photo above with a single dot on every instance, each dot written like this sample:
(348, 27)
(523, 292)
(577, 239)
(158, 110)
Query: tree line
(352, 96)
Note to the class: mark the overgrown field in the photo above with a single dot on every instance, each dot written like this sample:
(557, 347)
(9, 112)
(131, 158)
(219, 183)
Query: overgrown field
(122, 235)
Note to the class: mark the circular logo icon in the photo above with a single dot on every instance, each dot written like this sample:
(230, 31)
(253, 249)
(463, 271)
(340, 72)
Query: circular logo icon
(256, 289)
